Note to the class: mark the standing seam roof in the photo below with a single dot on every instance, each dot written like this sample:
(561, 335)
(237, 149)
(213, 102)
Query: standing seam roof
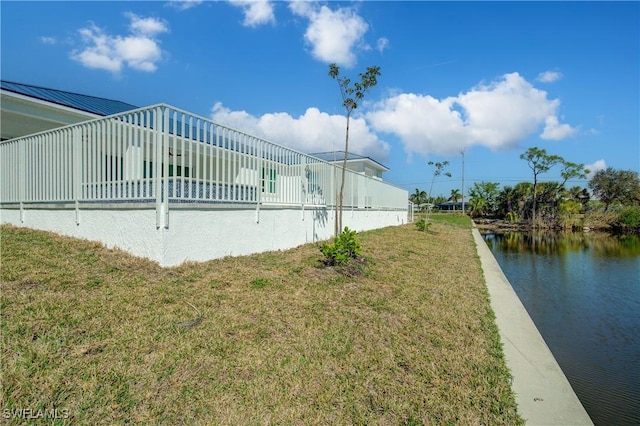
(91, 104)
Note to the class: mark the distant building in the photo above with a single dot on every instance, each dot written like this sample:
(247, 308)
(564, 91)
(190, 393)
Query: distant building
(449, 205)
(357, 163)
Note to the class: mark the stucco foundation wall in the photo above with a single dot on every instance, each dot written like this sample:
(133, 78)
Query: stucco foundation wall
(199, 234)
(132, 230)
(367, 219)
(203, 235)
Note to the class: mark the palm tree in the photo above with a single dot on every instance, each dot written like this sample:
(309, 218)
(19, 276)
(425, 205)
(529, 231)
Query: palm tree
(477, 206)
(455, 196)
(418, 197)
(523, 198)
(483, 198)
(579, 194)
(506, 200)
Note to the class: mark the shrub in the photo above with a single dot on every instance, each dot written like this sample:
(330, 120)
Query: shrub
(423, 225)
(511, 217)
(597, 219)
(344, 248)
(628, 219)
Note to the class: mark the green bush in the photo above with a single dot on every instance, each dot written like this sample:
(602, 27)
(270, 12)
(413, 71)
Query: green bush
(344, 248)
(511, 217)
(628, 219)
(423, 225)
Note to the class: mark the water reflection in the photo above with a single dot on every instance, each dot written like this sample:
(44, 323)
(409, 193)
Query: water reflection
(582, 290)
(563, 242)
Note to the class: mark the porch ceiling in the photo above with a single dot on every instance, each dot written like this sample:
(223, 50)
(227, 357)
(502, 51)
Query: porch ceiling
(22, 116)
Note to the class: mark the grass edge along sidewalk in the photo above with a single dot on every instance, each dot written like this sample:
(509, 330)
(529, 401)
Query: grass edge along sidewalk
(103, 337)
(543, 392)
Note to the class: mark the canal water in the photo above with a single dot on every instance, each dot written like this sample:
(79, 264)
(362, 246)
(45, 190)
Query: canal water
(582, 291)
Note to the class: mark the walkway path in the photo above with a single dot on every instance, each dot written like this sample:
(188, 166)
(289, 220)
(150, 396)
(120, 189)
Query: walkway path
(543, 393)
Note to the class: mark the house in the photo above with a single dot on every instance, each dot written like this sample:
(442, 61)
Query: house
(28, 109)
(169, 185)
(357, 163)
(450, 205)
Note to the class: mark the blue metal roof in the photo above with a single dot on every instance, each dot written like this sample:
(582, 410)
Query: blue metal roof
(91, 104)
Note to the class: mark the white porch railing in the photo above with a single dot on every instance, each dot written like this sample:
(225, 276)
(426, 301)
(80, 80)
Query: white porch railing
(165, 156)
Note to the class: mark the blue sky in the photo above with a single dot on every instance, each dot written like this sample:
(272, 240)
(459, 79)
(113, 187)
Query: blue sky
(490, 78)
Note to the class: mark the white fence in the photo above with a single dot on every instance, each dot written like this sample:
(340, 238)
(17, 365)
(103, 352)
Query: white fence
(167, 156)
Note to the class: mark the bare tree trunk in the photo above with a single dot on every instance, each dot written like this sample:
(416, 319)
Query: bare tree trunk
(535, 196)
(344, 171)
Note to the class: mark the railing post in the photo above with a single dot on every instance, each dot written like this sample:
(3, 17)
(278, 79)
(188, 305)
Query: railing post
(165, 164)
(76, 168)
(304, 182)
(22, 161)
(157, 167)
(354, 179)
(259, 179)
(334, 192)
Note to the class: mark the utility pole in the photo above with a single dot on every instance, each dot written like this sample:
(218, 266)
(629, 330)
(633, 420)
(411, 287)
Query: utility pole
(462, 152)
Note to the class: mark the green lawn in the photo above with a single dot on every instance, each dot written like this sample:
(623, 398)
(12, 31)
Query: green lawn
(271, 338)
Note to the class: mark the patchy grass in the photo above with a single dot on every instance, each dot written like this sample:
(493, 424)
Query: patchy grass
(268, 338)
(452, 218)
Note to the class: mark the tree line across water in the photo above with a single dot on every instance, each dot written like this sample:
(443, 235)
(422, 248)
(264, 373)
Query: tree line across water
(611, 200)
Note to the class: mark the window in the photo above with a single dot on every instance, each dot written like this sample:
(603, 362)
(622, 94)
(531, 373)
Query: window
(268, 177)
(147, 170)
(313, 182)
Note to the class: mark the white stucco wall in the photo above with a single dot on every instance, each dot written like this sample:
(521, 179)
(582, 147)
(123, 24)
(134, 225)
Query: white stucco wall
(199, 234)
(132, 230)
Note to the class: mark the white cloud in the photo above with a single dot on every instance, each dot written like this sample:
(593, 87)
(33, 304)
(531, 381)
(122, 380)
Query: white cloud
(497, 116)
(99, 53)
(139, 50)
(423, 123)
(184, 4)
(256, 12)
(549, 76)
(555, 131)
(382, 44)
(594, 167)
(146, 26)
(315, 131)
(333, 35)
(48, 40)
(140, 53)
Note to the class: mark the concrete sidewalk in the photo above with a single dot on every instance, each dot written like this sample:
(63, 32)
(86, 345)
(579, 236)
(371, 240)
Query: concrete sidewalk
(543, 393)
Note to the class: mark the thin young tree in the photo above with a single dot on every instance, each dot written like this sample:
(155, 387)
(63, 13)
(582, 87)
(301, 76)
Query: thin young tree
(437, 171)
(539, 162)
(351, 97)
